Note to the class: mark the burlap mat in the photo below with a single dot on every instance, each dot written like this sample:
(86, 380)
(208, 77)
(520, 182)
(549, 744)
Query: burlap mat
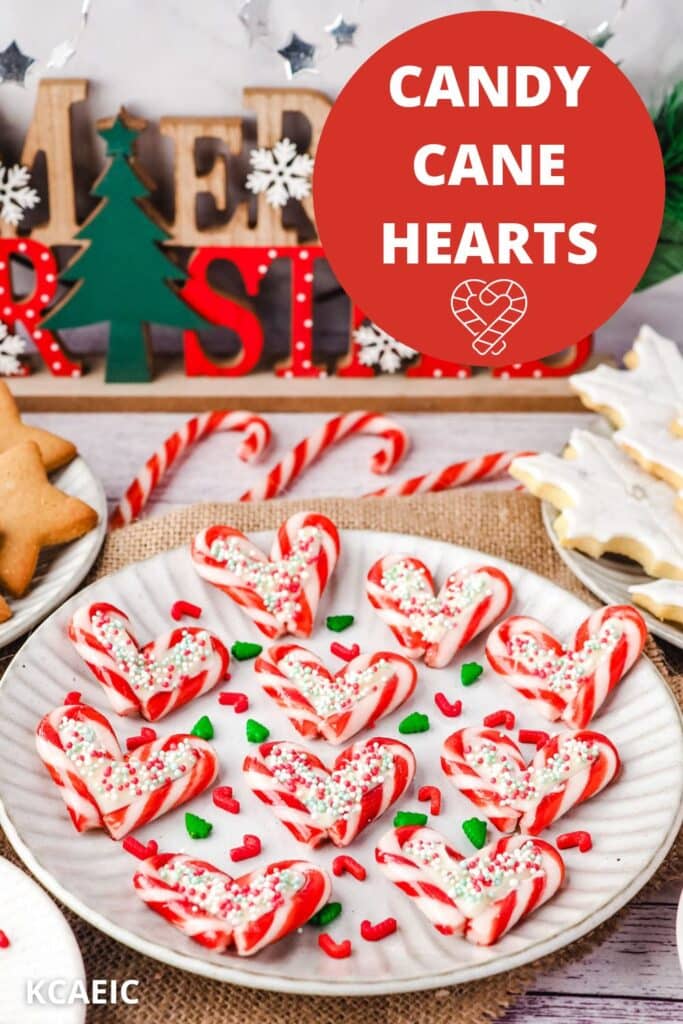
(504, 524)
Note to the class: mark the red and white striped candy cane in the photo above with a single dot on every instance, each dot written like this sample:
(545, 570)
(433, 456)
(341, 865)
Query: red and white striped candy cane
(335, 430)
(484, 467)
(151, 680)
(530, 674)
(315, 803)
(257, 435)
(570, 768)
(102, 788)
(335, 707)
(476, 760)
(408, 876)
(306, 539)
(208, 905)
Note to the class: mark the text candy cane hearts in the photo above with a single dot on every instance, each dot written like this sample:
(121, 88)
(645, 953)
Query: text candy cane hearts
(456, 893)
(488, 768)
(281, 593)
(102, 787)
(338, 706)
(218, 911)
(316, 803)
(151, 680)
(401, 588)
(570, 682)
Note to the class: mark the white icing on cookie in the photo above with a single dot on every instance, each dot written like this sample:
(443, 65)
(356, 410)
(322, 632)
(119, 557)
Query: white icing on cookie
(647, 400)
(668, 593)
(610, 498)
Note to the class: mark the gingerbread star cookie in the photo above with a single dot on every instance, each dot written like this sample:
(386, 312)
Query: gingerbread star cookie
(608, 503)
(643, 402)
(55, 451)
(5, 610)
(663, 598)
(33, 515)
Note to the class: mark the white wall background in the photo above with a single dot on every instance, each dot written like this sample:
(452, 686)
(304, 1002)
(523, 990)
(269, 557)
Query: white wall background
(192, 57)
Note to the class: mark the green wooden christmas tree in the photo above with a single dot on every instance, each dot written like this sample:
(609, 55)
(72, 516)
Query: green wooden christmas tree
(124, 276)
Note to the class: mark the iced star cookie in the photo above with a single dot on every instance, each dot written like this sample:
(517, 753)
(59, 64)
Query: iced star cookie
(151, 680)
(607, 503)
(487, 767)
(279, 593)
(642, 402)
(662, 598)
(568, 682)
(315, 802)
(430, 625)
(480, 897)
(104, 788)
(218, 911)
(338, 706)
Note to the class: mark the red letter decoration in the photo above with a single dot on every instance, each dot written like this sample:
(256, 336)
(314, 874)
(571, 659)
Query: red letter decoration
(28, 309)
(350, 365)
(253, 262)
(430, 366)
(573, 360)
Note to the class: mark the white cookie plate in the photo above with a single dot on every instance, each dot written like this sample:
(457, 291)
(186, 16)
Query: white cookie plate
(609, 578)
(42, 946)
(60, 569)
(633, 823)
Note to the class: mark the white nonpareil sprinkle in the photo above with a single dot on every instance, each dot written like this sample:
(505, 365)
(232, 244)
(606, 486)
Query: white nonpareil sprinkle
(333, 695)
(214, 893)
(517, 787)
(563, 673)
(429, 615)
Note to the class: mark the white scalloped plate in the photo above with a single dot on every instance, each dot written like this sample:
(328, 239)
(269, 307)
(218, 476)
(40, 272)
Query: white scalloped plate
(61, 569)
(42, 946)
(633, 823)
(609, 578)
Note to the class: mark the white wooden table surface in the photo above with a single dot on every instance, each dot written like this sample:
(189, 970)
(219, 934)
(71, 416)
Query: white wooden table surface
(634, 975)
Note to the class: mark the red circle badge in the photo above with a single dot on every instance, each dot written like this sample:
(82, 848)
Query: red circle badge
(489, 188)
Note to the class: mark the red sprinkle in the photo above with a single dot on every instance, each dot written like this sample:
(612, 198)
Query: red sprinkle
(239, 702)
(433, 794)
(535, 736)
(183, 608)
(147, 735)
(4, 941)
(223, 798)
(502, 717)
(337, 950)
(343, 863)
(346, 653)
(138, 849)
(72, 697)
(568, 840)
(377, 932)
(445, 706)
(251, 847)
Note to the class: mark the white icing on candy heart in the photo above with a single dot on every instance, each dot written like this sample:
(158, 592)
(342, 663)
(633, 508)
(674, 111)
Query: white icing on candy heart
(278, 584)
(215, 893)
(331, 695)
(432, 616)
(330, 796)
(117, 783)
(564, 673)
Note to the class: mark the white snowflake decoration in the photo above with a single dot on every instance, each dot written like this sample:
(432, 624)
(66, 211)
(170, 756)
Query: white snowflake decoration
(11, 346)
(379, 348)
(15, 194)
(281, 173)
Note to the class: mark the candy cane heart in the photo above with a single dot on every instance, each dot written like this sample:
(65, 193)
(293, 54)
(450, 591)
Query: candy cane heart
(488, 768)
(316, 803)
(401, 589)
(102, 787)
(151, 680)
(570, 682)
(338, 706)
(281, 593)
(482, 896)
(477, 761)
(218, 911)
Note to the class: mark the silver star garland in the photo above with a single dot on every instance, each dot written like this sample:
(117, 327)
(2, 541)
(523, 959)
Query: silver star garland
(14, 65)
(298, 55)
(254, 15)
(342, 31)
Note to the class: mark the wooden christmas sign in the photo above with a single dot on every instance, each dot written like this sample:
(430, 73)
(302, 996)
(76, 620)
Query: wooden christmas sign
(125, 272)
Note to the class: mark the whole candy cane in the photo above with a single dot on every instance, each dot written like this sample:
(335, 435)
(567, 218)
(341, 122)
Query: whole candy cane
(335, 430)
(257, 435)
(484, 467)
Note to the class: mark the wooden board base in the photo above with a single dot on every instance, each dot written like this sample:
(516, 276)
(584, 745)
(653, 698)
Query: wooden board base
(171, 391)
